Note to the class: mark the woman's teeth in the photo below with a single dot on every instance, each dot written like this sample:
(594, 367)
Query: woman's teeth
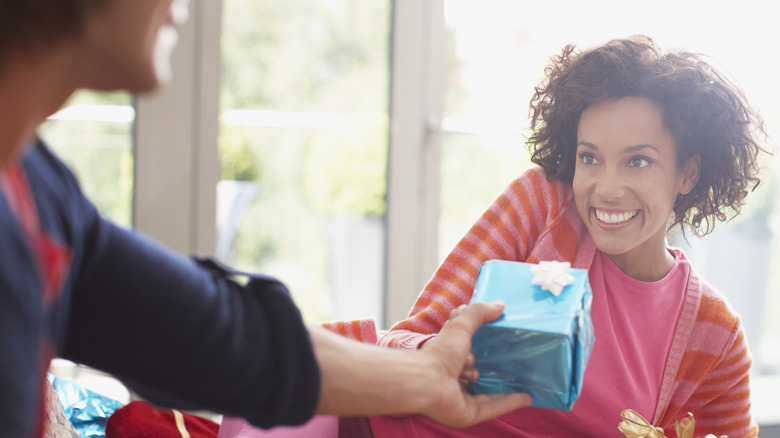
(615, 218)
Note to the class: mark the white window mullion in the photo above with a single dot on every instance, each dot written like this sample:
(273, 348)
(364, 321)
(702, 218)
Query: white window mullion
(176, 166)
(206, 173)
(417, 98)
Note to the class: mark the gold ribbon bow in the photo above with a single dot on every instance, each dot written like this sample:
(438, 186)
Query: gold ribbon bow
(634, 425)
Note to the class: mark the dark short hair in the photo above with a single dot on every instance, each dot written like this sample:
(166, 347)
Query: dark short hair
(26, 23)
(704, 111)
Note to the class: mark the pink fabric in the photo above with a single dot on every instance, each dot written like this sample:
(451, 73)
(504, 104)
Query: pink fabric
(319, 426)
(639, 320)
(625, 368)
(325, 426)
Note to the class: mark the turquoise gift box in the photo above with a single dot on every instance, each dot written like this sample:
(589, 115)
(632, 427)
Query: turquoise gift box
(542, 342)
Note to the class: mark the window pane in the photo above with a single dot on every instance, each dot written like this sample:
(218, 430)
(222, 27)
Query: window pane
(498, 54)
(93, 133)
(304, 121)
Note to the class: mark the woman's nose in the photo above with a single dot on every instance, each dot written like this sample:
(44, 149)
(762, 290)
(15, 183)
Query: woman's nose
(610, 185)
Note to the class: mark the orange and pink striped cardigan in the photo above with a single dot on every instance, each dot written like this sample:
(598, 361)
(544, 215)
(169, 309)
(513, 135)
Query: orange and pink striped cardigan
(707, 371)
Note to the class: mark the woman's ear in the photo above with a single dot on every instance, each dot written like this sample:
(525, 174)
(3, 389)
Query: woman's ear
(690, 174)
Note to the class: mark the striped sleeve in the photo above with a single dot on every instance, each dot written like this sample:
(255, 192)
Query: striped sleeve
(362, 330)
(507, 230)
(713, 382)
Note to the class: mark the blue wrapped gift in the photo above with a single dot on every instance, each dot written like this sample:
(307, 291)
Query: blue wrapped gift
(542, 342)
(86, 410)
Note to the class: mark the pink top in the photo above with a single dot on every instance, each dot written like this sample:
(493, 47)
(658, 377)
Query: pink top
(708, 368)
(634, 325)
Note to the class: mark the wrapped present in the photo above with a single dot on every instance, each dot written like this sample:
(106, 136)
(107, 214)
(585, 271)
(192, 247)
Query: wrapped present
(542, 342)
(55, 423)
(86, 410)
(633, 425)
(140, 419)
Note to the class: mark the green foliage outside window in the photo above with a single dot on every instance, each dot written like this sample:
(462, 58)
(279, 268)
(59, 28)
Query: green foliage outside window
(312, 80)
(99, 153)
(346, 174)
(236, 157)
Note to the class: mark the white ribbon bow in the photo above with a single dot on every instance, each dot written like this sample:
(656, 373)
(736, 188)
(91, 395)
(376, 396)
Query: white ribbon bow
(552, 276)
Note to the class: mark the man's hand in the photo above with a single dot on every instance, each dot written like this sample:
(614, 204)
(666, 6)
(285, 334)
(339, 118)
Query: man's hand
(361, 379)
(449, 355)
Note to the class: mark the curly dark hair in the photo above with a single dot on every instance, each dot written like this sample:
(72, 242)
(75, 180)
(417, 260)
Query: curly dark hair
(704, 111)
(26, 23)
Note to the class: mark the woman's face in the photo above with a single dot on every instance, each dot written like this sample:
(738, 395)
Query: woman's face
(627, 179)
(128, 43)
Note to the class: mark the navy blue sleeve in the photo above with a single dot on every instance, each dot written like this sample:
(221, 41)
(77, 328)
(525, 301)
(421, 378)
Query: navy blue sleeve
(179, 333)
(185, 336)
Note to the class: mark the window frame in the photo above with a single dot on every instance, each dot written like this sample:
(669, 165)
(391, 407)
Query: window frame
(418, 66)
(175, 152)
(176, 203)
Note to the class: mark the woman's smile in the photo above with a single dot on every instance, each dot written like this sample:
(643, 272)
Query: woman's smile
(615, 217)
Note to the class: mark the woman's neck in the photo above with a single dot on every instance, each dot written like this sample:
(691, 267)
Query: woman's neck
(643, 266)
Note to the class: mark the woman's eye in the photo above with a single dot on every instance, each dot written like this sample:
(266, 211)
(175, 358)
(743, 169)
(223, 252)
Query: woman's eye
(639, 162)
(587, 158)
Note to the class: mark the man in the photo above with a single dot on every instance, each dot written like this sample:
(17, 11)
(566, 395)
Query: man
(179, 332)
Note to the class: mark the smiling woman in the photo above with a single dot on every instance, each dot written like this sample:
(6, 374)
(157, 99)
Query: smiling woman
(631, 141)
(493, 70)
(626, 182)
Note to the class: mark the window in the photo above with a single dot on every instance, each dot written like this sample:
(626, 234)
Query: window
(94, 135)
(304, 127)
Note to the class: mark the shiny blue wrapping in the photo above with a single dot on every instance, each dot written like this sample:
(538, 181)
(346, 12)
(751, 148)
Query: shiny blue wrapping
(541, 344)
(87, 410)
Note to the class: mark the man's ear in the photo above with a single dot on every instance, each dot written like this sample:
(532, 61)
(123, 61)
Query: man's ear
(690, 173)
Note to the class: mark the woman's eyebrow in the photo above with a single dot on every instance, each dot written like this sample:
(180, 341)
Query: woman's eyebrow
(630, 149)
(640, 147)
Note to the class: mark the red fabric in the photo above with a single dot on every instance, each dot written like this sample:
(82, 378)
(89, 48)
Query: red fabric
(139, 419)
(53, 259)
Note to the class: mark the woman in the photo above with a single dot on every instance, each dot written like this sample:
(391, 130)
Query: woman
(630, 142)
(180, 332)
